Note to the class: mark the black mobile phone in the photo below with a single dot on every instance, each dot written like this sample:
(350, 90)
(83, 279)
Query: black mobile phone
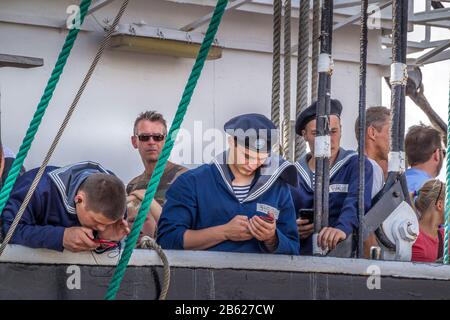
(306, 214)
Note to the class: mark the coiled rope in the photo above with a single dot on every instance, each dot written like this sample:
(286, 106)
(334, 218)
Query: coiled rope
(447, 199)
(149, 243)
(275, 110)
(302, 72)
(287, 82)
(315, 49)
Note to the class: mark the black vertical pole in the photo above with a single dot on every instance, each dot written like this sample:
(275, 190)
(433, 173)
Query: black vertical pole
(362, 122)
(404, 46)
(398, 89)
(322, 149)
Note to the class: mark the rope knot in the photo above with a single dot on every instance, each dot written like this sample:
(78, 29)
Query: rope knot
(148, 243)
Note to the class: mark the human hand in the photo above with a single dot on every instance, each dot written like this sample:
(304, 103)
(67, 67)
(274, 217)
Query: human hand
(116, 231)
(305, 229)
(238, 229)
(329, 237)
(155, 210)
(263, 230)
(77, 239)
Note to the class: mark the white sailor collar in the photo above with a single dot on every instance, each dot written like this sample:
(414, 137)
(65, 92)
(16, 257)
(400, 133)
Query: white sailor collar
(274, 168)
(69, 178)
(308, 175)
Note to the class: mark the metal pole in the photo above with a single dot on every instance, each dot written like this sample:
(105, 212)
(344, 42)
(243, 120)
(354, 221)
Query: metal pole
(322, 149)
(399, 78)
(404, 51)
(362, 122)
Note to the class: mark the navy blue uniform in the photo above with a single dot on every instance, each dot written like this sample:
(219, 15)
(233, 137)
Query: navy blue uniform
(203, 198)
(51, 208)
(343, 196)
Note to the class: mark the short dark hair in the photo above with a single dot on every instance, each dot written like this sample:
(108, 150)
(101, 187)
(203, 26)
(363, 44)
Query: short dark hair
(105, 193)
(420, 143)
(150, 116)
(375, 117)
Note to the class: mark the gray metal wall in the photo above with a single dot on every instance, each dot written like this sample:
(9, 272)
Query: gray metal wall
(126, 83)
(20, 281)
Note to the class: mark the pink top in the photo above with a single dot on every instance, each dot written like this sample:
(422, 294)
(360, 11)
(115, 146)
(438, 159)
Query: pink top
(425, 249)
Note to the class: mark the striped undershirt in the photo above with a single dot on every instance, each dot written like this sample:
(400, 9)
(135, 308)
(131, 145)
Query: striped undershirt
(241, 192)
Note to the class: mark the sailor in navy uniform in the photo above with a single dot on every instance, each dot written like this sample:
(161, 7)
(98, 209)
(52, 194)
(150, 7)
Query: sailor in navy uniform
(238, 203)
(59, 207)
(344, 179)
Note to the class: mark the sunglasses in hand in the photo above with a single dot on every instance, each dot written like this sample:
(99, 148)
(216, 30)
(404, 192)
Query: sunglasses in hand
(157, 137)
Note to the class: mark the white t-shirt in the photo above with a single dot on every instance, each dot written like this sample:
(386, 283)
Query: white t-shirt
(378, 177)
(8, 153)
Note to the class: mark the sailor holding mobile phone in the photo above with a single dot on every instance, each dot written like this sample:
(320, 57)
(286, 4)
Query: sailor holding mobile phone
(72, 208)
(238, 203)
(343, 193)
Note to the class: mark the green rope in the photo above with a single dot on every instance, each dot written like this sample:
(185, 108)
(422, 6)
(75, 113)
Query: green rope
(42, 106)
(447, 200)
(131, 240)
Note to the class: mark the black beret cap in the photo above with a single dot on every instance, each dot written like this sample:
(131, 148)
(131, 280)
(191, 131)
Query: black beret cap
(310, 114)
(253, 131)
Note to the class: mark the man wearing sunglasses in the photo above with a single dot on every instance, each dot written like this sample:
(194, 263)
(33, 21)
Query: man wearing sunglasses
(238, 203)
(149, 136)
(425, 153)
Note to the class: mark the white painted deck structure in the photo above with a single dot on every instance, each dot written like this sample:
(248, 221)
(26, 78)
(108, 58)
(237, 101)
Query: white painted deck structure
(127, 83)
